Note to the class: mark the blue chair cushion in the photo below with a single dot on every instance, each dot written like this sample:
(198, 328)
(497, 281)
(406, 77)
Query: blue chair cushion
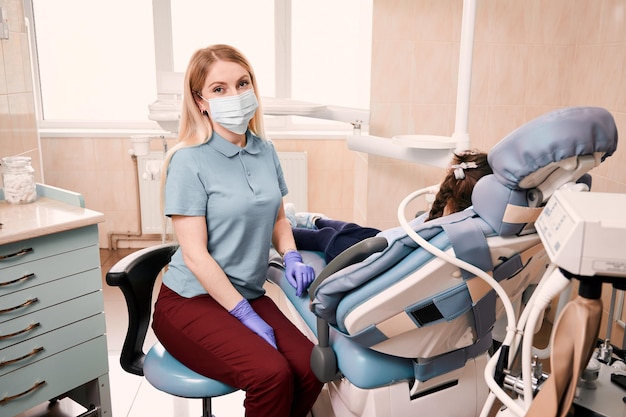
(169, 375)
(363, 367)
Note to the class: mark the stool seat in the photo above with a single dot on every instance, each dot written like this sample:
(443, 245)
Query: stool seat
(167, 374)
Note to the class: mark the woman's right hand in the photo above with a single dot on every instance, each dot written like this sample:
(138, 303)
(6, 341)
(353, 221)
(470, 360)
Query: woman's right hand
(244, 312)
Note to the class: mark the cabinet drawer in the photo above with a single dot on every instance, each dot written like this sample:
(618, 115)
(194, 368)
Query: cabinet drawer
(48, 319)
(53, 376)
(48, 245)
(50, 343)
(40, 271)
(37, 298)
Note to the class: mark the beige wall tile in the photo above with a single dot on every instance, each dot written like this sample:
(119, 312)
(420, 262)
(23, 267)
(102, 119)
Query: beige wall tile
(512, 21)
(3, 76)
(481, 63)
(484, 22)
(394, 19)
(611, 59)
(613, 21)
(430, 120)
(548, 75)
(478, 128)
(431, 68)
(388, 119)
(391, 71)
(23, 136)
(14, 63)
(555, 22)
(588, 20)
(585, 72)
(6, 127)
(437, 20)
(508, 74)
(14, 10)
(501, 121)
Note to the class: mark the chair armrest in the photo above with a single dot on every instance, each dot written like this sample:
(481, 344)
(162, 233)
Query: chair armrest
(120, 270)
(323, 357)
(135, 275)
(354, 254)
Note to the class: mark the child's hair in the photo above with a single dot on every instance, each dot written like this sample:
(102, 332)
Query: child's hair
(455, 191)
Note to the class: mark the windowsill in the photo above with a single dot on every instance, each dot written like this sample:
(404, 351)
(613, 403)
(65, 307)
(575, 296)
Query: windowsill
(127, 133)
(99, 133)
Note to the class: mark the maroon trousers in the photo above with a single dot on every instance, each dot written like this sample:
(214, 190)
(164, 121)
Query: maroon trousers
(203, 336)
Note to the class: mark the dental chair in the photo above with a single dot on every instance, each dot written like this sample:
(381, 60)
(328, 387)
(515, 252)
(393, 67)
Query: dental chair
(406, 331)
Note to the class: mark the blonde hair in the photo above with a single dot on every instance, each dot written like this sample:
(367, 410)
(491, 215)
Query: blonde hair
(195, 127)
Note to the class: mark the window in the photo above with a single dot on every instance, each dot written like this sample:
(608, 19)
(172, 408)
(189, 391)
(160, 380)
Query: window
(96, 62)
(247, 25)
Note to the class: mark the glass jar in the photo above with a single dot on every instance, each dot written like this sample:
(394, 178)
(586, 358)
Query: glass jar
(19, 180)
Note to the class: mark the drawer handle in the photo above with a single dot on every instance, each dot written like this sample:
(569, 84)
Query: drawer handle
(18, 253)
(21, 358)
(24, 304)
(8, 398)
(26, 329)
(15, 281)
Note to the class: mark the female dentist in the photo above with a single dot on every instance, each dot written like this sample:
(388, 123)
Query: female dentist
(223, 189)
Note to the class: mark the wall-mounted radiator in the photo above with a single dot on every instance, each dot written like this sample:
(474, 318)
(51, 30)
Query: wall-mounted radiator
(294, 166)
(149, 167)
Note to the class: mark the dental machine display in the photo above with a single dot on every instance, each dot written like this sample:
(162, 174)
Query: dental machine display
(582, 233)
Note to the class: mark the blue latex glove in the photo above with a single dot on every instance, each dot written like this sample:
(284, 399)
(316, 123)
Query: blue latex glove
(299, 274)
(244, 312)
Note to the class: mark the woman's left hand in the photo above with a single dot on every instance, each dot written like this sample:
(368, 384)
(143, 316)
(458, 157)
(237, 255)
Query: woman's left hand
(299, 274)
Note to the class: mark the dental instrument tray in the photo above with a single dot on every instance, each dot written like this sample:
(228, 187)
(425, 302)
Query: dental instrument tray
(584, 232)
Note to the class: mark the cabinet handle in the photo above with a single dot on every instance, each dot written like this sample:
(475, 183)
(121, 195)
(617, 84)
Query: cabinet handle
(24, 304)
(18, 253)
(28, 355)
(24, 330)
(8, 398)
(15, 281)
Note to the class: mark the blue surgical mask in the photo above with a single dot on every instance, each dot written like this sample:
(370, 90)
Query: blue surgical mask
(233, 112)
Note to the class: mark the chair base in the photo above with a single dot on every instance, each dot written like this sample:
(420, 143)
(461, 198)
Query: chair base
(206, 408)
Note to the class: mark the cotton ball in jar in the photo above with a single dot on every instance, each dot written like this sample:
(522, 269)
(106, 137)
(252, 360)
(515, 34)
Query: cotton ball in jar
(19, 180)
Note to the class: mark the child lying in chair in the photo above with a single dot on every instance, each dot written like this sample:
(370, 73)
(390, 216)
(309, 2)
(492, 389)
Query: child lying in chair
(316, 232)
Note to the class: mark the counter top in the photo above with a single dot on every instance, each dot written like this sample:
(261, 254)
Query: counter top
(42, 217)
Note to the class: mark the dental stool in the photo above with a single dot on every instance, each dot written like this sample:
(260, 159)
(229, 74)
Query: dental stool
(408, 333)
(136, 275)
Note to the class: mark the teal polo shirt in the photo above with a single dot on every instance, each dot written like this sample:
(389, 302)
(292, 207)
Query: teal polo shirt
(238, 191)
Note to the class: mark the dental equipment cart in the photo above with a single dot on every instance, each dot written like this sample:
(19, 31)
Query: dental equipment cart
(52, 327)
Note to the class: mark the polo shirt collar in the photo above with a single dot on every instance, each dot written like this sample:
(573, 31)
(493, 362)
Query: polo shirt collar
(229, 149)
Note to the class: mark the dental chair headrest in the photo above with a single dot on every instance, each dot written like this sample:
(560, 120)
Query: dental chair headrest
(506, 210)
(536, 159)
(571, 140)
